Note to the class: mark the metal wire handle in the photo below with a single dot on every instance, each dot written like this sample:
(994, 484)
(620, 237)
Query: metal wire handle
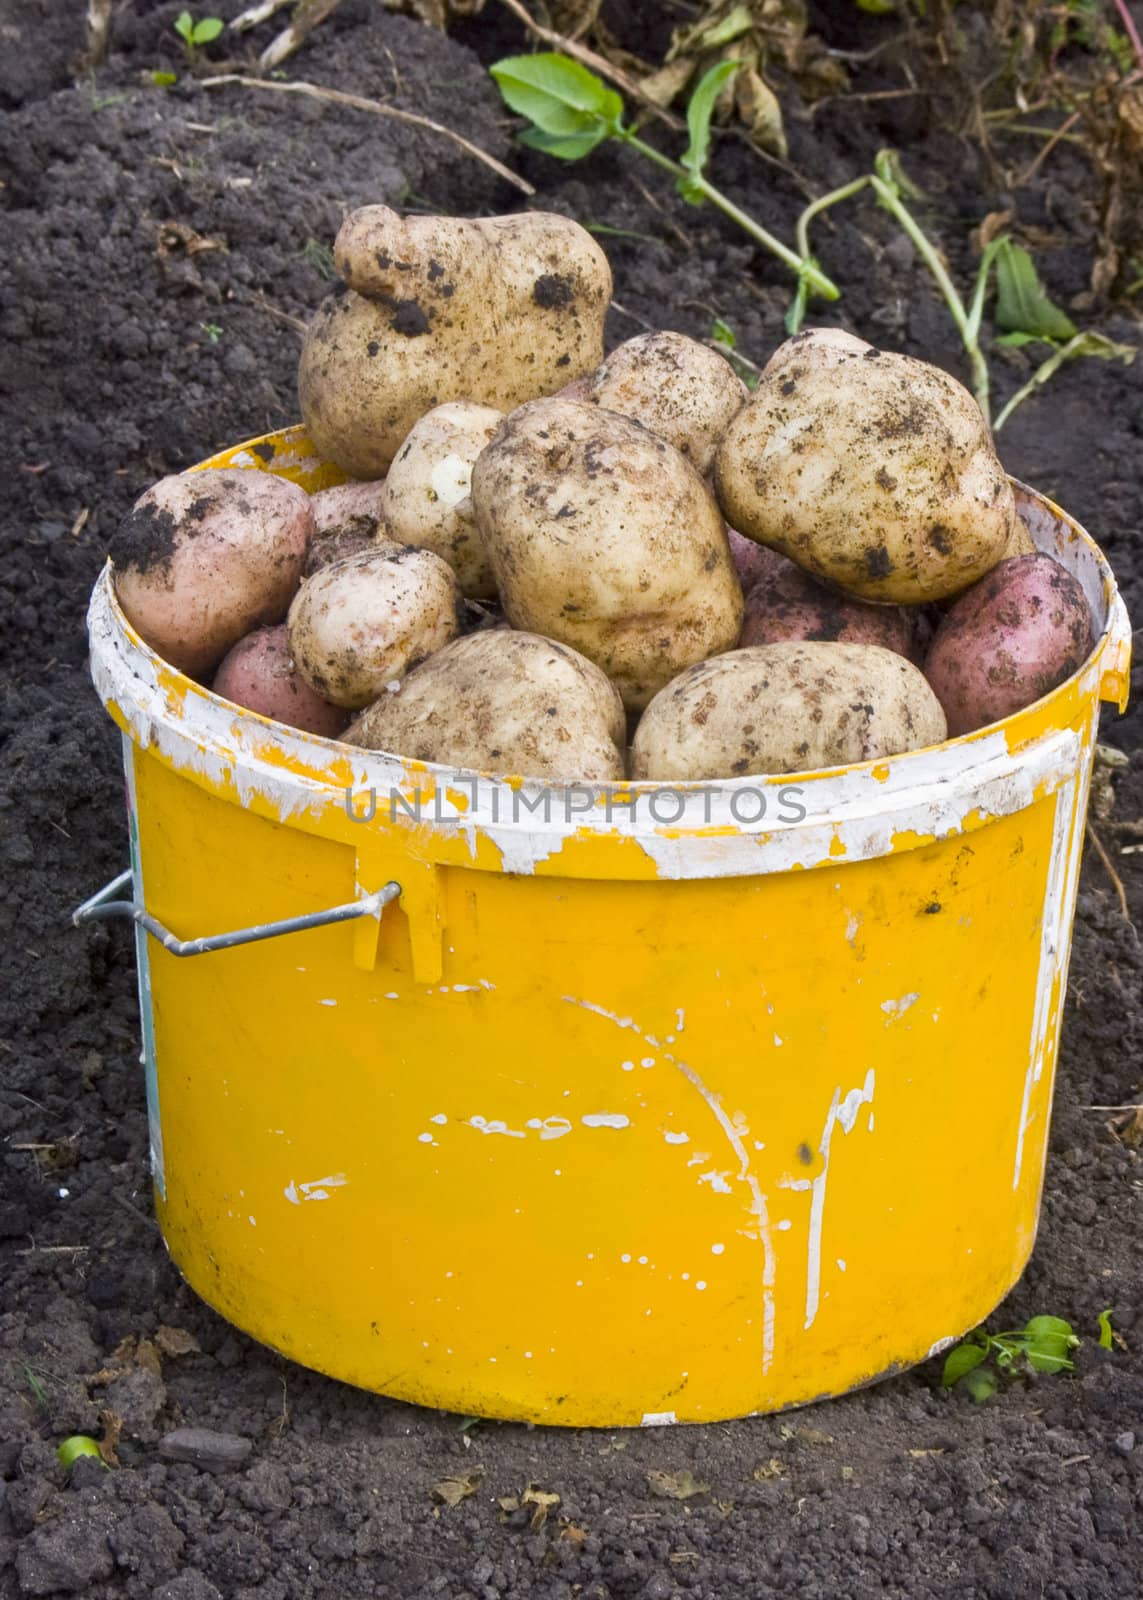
(102, 907)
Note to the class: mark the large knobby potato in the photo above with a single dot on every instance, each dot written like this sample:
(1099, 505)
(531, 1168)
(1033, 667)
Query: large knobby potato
(503, 702)
(497, 310)
(602, 535)
(785, 708)
(874, 472)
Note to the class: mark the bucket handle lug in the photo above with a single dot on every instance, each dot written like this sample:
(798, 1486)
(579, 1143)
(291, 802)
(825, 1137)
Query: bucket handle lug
(1115, 660)
(103, 907)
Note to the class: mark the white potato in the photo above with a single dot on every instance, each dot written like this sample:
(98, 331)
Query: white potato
(778, 708)
(503, 702)
(680, 389)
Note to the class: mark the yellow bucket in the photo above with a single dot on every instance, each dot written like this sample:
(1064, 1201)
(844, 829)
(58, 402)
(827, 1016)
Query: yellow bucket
(600, 1106)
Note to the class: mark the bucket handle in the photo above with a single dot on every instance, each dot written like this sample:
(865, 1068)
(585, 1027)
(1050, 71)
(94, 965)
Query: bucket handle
(1115, 658)
(103, 907)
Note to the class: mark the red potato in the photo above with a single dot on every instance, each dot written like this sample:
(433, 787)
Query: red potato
(1013, 637)
(754, 563)
(259, 674)
(789, 605)
(358, 625)
(204, 557)
(353, 504)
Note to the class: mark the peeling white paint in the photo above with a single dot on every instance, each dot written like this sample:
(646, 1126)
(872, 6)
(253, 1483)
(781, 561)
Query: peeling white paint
(315, 1189)
(940, 1344)
(657, 1419)
(440, 1118)
(605, 1119)
(895, 1009)
(717, 1181)
(676, 1138)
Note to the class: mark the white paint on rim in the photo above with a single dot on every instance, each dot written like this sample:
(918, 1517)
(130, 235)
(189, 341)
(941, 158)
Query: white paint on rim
(605, 1119)
(315, 1189)
(657, 1419)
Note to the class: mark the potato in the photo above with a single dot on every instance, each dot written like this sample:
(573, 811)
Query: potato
(791, 605)
(258, 673)
(497, 310)
(1013, 637)
(785, 708)
(428, 500)
(350, 505)
(680, 389)
(753, 562)
(204, 557)
(361, 623)
(874, 472)
(503, 702)
(603, 536)
(818, 347)
(351, 540)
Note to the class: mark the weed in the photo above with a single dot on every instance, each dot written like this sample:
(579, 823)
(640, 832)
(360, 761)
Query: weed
(195, 34)
(980, 1363)
(212, 330)
(572, 111)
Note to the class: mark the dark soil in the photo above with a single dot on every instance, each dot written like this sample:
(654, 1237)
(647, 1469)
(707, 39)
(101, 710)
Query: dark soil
(158, 246)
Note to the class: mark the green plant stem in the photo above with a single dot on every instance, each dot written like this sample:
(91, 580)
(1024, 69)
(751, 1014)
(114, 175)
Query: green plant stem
(816, 207)
(805, 269)
(894, 205)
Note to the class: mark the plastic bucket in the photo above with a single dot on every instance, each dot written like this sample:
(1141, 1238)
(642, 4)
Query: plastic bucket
(600, 1106)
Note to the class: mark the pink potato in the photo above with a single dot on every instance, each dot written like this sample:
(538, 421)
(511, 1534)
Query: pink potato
(1011, 638)
(753, 562)
(790, 605)
(356, 504)
(258, 673)
(204, 557)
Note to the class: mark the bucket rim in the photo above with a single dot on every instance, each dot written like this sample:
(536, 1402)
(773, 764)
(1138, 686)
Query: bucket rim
(804, 818)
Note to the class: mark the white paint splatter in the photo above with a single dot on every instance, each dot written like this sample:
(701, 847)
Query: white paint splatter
(657, 1419)
(440, 1118)
(483, 1125)
(676, 1138)
(327, 1002)
(315, 1189)
(717, 1181)
(842, 1113)
(895, 1009)
(605, 1119)
(717, 1249)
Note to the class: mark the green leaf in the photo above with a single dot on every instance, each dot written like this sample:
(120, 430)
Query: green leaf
(691, 190)
(557, 94)
(207, 30)
(1049, 1340)
(1016, 341)
(568, 146)
(699, 113)
(981, 1384)
(722, 333)
(163, 80)
(184, 26)
(960, 1362)
(1022, 306)
(1106, 1337)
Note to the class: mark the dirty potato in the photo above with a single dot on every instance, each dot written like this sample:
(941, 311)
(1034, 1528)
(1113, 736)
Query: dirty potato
(204, 557)
(360, 623)
(603, 536)
(680, 389)
(428, 498)
(874, 472)
(503, 702)
(785, 708)
(497, 310)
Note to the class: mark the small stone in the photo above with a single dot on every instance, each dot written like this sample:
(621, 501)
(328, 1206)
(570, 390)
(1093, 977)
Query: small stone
(1125, 1442)
(203, 1447)
(657, 1587)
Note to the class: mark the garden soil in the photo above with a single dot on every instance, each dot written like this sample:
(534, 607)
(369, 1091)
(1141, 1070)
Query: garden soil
(161, 248)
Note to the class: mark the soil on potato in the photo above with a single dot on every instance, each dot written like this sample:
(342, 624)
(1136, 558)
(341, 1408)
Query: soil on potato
(161, 249)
